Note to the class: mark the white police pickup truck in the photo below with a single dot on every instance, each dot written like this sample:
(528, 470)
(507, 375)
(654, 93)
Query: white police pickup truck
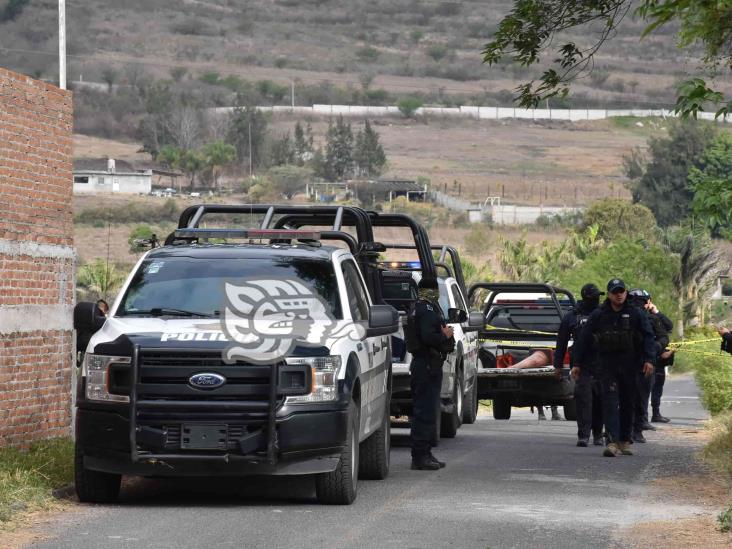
(521, 319)
(264, 354)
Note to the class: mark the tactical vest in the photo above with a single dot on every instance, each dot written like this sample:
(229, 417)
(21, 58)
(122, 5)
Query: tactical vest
(410, 331)
(618, 338)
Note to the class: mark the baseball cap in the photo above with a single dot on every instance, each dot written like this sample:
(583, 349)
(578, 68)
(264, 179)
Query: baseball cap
(615, 284)
(590, 290)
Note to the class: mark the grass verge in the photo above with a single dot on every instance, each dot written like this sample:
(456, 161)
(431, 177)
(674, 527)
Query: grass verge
(713, 372)
(28, 477)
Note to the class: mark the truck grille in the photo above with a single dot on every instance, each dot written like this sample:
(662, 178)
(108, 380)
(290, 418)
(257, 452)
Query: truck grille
(166, 403)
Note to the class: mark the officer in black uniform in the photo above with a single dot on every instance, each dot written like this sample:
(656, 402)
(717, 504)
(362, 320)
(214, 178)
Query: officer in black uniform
(623, 339)
(644, 385)
(429, 340)
(587, 393)
(726, 339)
(665, 360)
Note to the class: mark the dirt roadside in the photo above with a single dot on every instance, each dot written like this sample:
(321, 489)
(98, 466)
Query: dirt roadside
(703, 488)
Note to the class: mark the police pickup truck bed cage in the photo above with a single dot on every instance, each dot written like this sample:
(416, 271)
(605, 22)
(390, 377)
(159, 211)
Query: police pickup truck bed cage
(453, 269)
(285, 223)
(552, 305)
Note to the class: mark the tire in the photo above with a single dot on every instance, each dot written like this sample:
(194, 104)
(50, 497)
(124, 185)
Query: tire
(450, 423)
(470, 410)
(94, 486)
(570, 410)
(374, 452)
(502, 408)
(339, 486)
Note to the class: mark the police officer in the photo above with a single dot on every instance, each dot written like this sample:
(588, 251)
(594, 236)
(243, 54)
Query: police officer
(644, 385)
(726, 339)
(665, 359)
(620, 335)
(429, 340)
(587, 394)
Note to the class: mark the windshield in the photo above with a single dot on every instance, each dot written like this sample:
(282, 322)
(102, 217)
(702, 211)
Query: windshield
(185, 286)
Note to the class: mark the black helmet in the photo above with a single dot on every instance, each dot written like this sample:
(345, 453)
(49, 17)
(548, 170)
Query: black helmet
(639, 295)
(590, 291)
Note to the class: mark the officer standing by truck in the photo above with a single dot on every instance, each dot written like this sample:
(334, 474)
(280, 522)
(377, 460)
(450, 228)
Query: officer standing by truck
(428, 339)
(587, 395)
(622, 338)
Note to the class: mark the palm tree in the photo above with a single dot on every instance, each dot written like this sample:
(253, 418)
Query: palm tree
(700, 264)
(99, 279)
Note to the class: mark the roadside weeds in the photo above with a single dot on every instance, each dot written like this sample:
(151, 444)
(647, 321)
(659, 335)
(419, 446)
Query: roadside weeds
(33, 479)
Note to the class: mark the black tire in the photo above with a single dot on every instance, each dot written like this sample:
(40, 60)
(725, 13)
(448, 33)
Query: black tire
(450, 423)
(374, 452)
(470, 408)
(339, 486)
(570, 410)
(502, 408)
(94, 486)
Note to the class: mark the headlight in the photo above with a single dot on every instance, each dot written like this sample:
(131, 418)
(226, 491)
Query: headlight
(325, 378)
(96, 371)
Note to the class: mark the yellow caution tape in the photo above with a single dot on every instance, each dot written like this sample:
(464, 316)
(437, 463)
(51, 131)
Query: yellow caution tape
(521, 344)
(693, 342)
(488, 327)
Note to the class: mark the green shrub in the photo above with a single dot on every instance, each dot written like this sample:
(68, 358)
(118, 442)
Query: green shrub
(725, 520)
(714, 376)
(437, 52)
(408, 106)
(140, 232)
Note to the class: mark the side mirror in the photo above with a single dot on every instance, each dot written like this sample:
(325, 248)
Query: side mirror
(383, 320)
(456, 316)
(87, 317)
(475, 321)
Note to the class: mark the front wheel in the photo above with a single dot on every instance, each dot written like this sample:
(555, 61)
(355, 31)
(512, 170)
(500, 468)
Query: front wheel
(450, 422)
(94, 486)
(374, 452)
(470, 412)
(338, 487)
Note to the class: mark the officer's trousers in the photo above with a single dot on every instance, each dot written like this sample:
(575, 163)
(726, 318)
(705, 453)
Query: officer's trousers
(657, 390)
(618, 389)
(588, 398)
(425, 385)
(644, 386)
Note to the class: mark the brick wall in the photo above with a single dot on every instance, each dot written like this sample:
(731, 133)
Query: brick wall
(36, 259)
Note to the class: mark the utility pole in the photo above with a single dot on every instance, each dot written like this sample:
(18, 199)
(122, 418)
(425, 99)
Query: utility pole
(250, 149)
(62, 44)
(292, 87)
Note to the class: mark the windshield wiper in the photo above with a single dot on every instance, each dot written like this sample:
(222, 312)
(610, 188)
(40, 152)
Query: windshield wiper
(165, 311)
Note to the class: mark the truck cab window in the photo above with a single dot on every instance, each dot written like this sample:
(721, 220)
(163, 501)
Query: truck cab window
(357, 298)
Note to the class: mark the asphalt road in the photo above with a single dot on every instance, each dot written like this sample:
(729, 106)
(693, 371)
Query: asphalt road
(517, 483)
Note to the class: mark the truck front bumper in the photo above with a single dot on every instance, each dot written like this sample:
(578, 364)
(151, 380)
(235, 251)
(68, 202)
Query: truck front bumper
(308, 442)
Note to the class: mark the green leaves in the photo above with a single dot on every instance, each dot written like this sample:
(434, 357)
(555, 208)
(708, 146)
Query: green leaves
(532, 25)
(711, 182)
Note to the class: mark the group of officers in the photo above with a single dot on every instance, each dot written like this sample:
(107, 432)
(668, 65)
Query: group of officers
(618, 361)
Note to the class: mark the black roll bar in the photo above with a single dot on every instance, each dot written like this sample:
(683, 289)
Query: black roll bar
(497, 288)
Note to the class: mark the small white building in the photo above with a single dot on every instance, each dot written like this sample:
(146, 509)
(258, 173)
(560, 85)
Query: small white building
(102, 175)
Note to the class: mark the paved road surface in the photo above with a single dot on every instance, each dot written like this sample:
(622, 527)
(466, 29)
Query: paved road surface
(517, 483)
